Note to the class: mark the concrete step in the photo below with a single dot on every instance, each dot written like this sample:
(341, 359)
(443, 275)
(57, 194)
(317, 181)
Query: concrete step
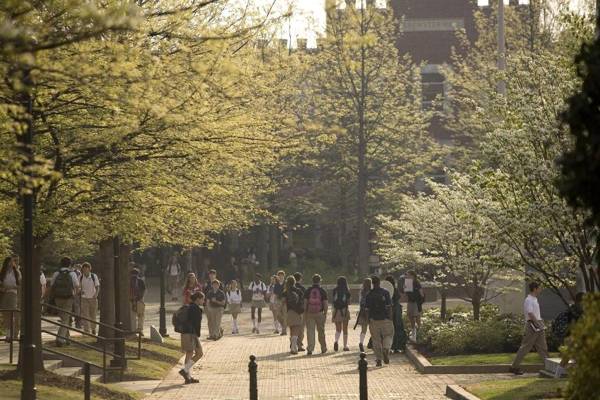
(93, 378)
(52, 365)
(551, 365)
(69, 371)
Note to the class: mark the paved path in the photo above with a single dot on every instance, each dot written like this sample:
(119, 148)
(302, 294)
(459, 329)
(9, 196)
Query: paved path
(223, 371)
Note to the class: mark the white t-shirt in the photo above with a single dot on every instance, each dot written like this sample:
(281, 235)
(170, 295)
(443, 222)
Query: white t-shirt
(174, 269)
(89, 286)
(10, 280)
(258, 290)
(234, 297)
(408, 285)
(42, 279)
(531, 306)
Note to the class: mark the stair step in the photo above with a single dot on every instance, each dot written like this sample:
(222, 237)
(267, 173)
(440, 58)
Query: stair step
(551, 364)
(94, 378)
(52, 365)
(68, 371)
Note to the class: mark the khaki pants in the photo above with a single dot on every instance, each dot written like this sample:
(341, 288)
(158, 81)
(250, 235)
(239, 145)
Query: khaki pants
(10, 301)
(301, 332)
(138, 310)
(88, 310)
(214, 316)
(531, 338)
(382, 333)
(315, 320)
(65, 319)
(282, 315)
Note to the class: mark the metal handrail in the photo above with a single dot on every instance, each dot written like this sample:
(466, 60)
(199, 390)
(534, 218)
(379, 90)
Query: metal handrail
(88, 319)
(103, 367)
(9, 335)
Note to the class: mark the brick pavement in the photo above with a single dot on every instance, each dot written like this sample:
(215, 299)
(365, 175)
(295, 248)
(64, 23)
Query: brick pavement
(223, 372)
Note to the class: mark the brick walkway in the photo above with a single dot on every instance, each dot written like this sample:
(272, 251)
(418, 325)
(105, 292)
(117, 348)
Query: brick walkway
(223, 371)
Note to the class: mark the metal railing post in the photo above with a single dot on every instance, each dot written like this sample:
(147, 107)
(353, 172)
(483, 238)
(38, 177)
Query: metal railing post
(10, 338)
(362, 372)
(252, 368)
(86, 383)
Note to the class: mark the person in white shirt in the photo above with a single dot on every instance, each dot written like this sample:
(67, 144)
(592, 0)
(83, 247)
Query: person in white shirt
(90, 287)
(234, 299)
(258, 289)
(173, 272)
(535, 331)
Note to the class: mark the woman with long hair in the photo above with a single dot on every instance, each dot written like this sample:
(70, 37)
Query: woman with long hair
(10, 282)
(272, 298)
(234, 301)
(399, 341)
(341, 313)
(363, 319)
(294, 304)
(191, 286)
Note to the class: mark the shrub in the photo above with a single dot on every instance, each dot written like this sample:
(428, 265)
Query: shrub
(584, 347)
(460, 334)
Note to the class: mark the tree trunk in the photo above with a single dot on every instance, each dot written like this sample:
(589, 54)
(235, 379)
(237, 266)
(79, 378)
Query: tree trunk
(104, 268)
(36, 331)
(444, 305)
(124, 274)
(274, 244)
(262, 246)
(476, 302)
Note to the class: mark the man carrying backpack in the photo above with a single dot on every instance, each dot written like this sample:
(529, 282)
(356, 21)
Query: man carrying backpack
(381, 327)
(65, 286)
(315, 304)
(298, 277)
(190, 335)
(137, 289)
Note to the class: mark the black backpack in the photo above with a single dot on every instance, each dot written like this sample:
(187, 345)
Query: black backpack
(295, 302)
(62, 287)
(560, 325)
(340, 300)
(179, 318)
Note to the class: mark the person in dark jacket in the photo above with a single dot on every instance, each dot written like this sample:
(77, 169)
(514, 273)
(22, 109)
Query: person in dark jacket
(298, 277)
(379, 310)
(399, 342)
(190, 337)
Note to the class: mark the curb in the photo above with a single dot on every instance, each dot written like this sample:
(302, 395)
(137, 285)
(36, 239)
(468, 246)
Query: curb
(422, 364)
(456, 392)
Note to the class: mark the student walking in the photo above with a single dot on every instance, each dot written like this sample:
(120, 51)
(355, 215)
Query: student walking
(90, 288)
(190, 337)
(273, 305)
(399, 342)
(77, 299)
(414, 292)
(137, 290)
(258, 289)
(535, 331)
(65, 286)
(234, 299)
(10, 282)
(341, 313)
(281, 313)
(173, 273)
(363, 319)
(190, 287)
(215, 303)
(379, 309)
(298, 277)
(315, 301)
(294, 306)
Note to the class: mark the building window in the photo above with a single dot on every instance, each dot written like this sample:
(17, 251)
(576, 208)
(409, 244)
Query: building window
(432, 91)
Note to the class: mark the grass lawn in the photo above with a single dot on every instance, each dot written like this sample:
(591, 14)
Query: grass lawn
(485, 359)
(156, 361)
(519, 389)
(55, 387)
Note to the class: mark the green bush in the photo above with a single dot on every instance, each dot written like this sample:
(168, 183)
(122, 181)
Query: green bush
(460, 334)
(584, 347)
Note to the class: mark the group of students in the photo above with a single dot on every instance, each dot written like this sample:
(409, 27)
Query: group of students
(297, 309)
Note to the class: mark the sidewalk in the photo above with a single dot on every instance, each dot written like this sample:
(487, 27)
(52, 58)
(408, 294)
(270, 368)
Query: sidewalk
(223, 372)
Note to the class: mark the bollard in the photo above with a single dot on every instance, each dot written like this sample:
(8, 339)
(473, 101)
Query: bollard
(86, 382)
(362, 372)
(252, 367)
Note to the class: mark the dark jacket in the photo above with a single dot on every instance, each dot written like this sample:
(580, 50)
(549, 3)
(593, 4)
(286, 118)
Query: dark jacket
(194, 320)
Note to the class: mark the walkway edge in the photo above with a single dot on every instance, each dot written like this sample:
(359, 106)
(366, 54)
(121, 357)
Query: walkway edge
(456, 392)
